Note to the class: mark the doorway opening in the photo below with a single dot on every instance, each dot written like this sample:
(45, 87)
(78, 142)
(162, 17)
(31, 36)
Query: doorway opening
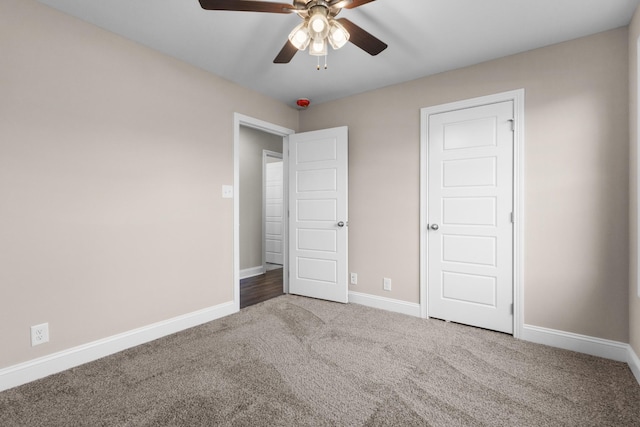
(261, 216)
(259, 272)
(314, 252)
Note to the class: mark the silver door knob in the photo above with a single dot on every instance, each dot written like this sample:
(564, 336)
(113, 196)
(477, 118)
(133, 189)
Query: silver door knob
(434, 226)
(341, 224)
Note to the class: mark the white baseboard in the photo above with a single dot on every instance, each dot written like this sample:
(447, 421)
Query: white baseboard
(32, 370)
(397, 306)
(251, 272)
(608, 349)
(634, 363)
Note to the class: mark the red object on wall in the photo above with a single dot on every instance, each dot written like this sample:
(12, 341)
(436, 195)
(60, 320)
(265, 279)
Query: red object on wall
(303, 102)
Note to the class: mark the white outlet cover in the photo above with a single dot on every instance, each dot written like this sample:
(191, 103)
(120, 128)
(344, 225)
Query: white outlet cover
(39, 334)
(227, 191)
(387, 284)
(354, 278)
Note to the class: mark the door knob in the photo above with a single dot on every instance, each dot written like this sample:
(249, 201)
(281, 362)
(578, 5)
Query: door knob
(341, 224)
(434, 226)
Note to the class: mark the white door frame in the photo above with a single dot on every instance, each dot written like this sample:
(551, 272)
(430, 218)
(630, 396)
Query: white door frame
(250, 122)
(275, 155)
(517, 96)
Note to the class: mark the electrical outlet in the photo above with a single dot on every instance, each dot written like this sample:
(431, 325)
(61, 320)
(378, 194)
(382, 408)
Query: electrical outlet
(354, 278)
(387, 284)
(39, 334)
(227, 191)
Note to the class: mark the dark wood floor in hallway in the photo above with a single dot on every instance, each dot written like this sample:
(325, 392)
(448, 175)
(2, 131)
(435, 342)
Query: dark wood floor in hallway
(260, 288)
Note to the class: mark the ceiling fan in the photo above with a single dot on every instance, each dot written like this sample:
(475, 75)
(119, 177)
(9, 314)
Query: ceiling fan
(318, 29)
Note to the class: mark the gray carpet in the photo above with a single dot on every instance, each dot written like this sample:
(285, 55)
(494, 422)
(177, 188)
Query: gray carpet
(293, 361)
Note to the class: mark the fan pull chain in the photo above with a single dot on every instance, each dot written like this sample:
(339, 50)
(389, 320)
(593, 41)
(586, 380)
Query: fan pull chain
(325, 63)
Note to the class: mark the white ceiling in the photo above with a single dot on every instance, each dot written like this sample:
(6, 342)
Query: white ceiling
(424, 37)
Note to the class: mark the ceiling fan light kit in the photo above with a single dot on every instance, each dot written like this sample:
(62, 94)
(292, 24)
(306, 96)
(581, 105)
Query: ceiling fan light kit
(318, 29)
(300, 37)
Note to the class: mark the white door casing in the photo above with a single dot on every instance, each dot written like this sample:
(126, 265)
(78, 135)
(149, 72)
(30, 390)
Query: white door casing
(318, 217)
(469, 229)
(273, 207)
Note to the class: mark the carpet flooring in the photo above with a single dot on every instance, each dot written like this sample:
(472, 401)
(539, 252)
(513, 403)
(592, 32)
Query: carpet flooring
(293, 361)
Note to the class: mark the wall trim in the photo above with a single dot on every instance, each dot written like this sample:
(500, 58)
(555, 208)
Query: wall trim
(636, 119)
(252, 272)
(32, 370)
(634, 363)
(389, 304)
(608, 349)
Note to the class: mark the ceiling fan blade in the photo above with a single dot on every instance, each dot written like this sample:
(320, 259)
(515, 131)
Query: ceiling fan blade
(361, 38)
(286, 54)
(356, 3)
(247, 6)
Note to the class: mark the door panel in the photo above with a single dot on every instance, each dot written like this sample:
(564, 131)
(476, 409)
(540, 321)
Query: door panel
(317, 210)
(318, 199)
(476, 250)
(317, 240)
(317, 270)
(273, 211)
(478, 172)
(468, 211)
(469, 288)
(470, 200)
(316, 180)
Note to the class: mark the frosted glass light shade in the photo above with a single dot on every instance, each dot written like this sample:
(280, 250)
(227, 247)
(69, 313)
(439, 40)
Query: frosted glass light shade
(318, 23)
(318, 47)
(300, 37)
(338, 35)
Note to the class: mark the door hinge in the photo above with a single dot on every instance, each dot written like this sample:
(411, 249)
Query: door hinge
(511, 308)
(513, 220)
(513, 124)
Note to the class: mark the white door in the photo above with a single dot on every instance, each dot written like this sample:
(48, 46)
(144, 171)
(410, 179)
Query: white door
(470, 205)
(273, 200)
(318, 214)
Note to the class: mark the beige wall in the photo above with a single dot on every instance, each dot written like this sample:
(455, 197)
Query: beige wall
(112, 158)
(634, 301)
(252, 143)
(576, 173)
